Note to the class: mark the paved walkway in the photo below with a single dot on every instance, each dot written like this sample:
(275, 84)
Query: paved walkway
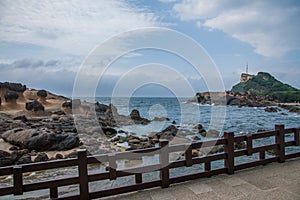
(273, 181)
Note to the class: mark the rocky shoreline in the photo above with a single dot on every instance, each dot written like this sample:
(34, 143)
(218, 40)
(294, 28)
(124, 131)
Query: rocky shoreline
(37, 125)
(243, 99)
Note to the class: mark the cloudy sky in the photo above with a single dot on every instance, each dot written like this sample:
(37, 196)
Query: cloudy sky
(43, 44)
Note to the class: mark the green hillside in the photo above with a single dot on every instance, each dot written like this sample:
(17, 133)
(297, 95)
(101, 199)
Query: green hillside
(264, 84)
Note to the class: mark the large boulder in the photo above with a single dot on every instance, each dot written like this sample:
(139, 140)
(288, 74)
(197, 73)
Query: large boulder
(11, 96)
(41, 139)
(42, 93)
(271, 109)
(34, 106)
(169, 132)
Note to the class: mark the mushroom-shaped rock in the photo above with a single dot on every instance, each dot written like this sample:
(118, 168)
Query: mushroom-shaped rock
(13, 87)
(34, 106)
(11, 96)
(42, 93)
(17, 87)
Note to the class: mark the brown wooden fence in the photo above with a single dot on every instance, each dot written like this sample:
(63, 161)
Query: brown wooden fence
(84, 178)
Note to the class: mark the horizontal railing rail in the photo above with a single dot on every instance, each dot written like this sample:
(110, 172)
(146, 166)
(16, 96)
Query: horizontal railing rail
(163, 166)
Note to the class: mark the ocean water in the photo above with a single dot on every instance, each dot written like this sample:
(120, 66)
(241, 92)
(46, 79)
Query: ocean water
(235, 119)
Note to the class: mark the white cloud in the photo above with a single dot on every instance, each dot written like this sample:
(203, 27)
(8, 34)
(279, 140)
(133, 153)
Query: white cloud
(168, 1)
(70, 26)
(271, 27)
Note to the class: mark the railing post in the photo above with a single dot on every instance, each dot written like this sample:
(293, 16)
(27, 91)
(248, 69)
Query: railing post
(18, 180)
(188, 157)
(296, 136)
(249, 144)
(164, 163)
(53, 192)
(229, 151)
(112, 166)
(279, 140)
(138, 178)
(83, 174)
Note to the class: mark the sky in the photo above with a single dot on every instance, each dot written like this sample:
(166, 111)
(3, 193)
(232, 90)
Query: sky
(45, 44)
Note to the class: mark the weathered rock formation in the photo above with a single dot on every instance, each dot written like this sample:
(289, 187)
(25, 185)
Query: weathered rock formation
(136, 117)
(42, 139)
(34, 106)
(42, 94)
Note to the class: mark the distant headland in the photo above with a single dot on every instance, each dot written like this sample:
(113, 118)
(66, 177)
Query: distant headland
(258, 90)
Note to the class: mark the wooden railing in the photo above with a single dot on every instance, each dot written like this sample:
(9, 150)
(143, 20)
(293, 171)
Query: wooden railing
(84, 178)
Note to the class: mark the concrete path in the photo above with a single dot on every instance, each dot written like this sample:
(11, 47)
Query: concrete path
(273, 181)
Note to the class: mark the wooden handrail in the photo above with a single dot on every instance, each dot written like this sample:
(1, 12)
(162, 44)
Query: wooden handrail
(84, 178)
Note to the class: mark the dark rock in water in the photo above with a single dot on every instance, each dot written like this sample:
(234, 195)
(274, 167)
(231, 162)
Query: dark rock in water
(261, 130)
(160, 119)
(41, 157)
(168, 132)
(5, 159)
(11, 96)
(174, 122)
(283, 114)
(200, 129)
(17, 87)
(271, 109)
(102, 108)
(196, 137)
(23, 118)
(25, 159)
(42, 93)
(34, 106)
(135, 115)
(295, 109)
(41, 139)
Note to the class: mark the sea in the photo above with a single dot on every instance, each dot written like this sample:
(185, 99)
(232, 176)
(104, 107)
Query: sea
(187, 114)
(184, 114)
